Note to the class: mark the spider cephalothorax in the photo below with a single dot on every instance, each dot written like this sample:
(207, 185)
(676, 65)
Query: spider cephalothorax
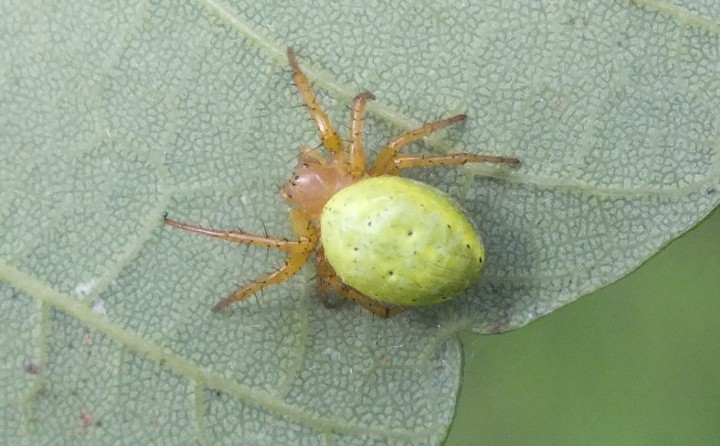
(314, 182)
(382, 241)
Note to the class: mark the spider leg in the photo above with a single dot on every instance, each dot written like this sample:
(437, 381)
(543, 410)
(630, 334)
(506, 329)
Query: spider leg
(292, 265)
(323, 270)
(328, 135)
(384, 311)
(390, 162)
(384, 164)
(281, 244)
(307, 152)
(357, 119)
(298, 252)
(328, 280)
(453, 159)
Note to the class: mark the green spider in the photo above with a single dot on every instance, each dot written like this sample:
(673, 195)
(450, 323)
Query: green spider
(382, 241)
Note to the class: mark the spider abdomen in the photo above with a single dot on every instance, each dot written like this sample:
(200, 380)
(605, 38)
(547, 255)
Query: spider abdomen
(400, 242)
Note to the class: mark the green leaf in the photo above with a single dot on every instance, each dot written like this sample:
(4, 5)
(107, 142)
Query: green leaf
(112, 114)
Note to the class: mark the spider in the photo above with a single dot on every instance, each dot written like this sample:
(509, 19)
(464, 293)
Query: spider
(382, 241)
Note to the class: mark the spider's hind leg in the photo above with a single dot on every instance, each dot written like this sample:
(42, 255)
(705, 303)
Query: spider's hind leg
(328, 280)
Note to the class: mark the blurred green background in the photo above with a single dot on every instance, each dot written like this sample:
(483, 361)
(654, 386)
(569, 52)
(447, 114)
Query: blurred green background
(636, 363)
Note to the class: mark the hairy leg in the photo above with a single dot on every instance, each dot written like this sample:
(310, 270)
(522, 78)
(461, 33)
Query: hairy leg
(384, 164)
(292, 265)
(357, 119)
(323, 270)
(328, 134)
(454, 159)
(298, 252)
(385, 311)
(328, 280)
(281, 244)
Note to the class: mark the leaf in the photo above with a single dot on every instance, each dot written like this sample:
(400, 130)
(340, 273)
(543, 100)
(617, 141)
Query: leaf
(112, 114)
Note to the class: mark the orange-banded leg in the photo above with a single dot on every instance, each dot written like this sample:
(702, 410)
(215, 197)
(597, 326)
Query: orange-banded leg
(390, 162)
(329, 136)
(328, 280)
(298, 252)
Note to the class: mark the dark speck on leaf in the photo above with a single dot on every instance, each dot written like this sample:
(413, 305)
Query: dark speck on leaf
(30, 367)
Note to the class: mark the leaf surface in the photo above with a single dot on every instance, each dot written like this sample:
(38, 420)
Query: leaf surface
(112, 114)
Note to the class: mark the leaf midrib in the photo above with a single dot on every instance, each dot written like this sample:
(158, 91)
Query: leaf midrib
(199, 376)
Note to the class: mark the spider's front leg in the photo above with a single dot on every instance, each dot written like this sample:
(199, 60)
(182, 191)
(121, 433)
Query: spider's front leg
(391, 162)
(329, 136)
(298, 252)
(356, 151)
